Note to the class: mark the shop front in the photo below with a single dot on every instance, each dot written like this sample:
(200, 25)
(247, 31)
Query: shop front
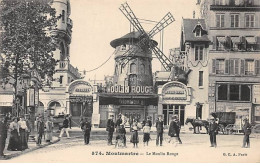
(173, 100)
(80, 101)
(133, 103)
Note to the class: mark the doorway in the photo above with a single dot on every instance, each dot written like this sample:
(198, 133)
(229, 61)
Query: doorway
(170, 109)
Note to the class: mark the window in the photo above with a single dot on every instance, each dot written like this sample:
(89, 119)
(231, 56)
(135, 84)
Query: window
(234, 66)
(221, 40)
(63, 16)
(200, 78)
(250, 20)
(249, 67)
(133, 68)
(198, 53)
(198, 32)
(220, 20)
(234, 92)
(222, 92)
(234, 20)
(220, 66)
(61, 79)
(122, 68)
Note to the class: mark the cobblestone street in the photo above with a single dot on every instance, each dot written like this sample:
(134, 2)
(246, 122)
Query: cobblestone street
(195, 148)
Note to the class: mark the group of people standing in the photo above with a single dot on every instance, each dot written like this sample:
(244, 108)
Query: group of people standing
(20, 128)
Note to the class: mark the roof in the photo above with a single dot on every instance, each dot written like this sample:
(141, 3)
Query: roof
(188, 30)
(130, 37)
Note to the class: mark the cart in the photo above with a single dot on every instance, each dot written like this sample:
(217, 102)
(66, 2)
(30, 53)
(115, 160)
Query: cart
(226, 122)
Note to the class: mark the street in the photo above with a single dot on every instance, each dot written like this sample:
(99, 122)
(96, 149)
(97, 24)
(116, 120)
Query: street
(195, 148)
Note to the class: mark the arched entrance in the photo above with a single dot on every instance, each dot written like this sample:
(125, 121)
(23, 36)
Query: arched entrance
(55, 108)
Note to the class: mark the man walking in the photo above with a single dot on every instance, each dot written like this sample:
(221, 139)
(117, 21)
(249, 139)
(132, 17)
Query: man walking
(110, 129)
(86, 128)
(213, 128)
(40, 130)
(3, 134)
(159, 128)
(65, 127)
(247, 132)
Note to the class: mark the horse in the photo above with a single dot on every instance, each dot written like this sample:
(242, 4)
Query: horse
(197, 123)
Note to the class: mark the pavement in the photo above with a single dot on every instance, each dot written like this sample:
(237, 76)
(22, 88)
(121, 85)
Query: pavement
(191, 142)
(31, 147)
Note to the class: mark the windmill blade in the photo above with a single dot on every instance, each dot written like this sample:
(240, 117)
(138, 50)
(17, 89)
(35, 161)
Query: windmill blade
(166, 62)
(127, 11)
(164, 22)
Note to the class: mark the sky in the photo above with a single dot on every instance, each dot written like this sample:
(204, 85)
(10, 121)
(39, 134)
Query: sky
(97, 22)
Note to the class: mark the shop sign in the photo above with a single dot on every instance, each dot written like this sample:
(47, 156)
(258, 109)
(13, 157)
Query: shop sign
(131, 102)
(80, 99)
(80, 88)
(131, 89)
(256, 94)
(175, 91)
(31, 97)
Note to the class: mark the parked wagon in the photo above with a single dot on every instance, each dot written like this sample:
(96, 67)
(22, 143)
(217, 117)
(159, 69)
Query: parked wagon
(226, 121)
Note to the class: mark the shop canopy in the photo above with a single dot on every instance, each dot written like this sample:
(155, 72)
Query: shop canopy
(235, 39)
(251, 40)
(221, 39)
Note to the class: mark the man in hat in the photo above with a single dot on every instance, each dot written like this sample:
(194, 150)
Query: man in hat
(247, 132)
(213, 129)
(40, 130)
(3, 134)
(159, 128)
(110, 129)
(86, 128)
(118, 122)
(65, 127)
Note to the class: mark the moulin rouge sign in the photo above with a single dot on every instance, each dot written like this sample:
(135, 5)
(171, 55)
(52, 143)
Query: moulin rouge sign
(131, 89)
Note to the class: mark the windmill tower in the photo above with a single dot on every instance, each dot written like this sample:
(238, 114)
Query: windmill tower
(133, 55)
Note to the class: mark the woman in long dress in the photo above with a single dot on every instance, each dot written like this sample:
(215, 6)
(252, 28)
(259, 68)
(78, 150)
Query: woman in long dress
(14, 141)
(49, 129)
(23, 133)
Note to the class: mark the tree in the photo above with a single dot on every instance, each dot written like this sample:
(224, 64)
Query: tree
(27, 43)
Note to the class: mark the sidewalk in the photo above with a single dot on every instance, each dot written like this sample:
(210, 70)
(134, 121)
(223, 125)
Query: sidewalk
(32, 146)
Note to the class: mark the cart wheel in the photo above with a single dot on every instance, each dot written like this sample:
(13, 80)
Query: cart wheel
(222, 128)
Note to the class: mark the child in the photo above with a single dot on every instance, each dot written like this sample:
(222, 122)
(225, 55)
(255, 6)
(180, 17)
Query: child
(146, 131)
(134, 137)
(120, 138)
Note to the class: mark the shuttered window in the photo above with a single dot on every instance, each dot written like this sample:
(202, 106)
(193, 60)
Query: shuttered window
(242, 69)
(236, 66)
(231, 65)
(257, 67)
(226, 66)
(213, 65)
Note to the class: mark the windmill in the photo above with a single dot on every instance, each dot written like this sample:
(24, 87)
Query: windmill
(145, 39)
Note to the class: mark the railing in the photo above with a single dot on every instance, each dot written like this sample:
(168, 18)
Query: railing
(65, 65)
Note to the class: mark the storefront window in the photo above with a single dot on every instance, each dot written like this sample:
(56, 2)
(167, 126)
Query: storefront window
(234, 92)
(222, 92)
(245, 93)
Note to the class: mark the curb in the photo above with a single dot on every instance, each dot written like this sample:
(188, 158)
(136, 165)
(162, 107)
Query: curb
(7, 157)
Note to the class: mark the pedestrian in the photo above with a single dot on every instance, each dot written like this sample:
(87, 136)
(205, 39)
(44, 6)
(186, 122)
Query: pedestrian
(14, 140)
(86, 128)
(29, 126)
(146, 130)
(174, 130)
(40, 130)
(3, 133)
(65, 127)
(213, 129)
(70, 120)
(110, 129)
(121, 136)
(159, 129)
(49, 129)
(134, 137)
(179, 129)
(118, 122)
(23, 133)
(247, 132)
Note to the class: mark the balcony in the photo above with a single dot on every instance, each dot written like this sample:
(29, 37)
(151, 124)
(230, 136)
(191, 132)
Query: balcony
(238, 5)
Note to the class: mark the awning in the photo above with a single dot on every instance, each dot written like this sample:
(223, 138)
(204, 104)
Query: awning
(251, 40)
(6, 100)
(221, 39)
(235, 39)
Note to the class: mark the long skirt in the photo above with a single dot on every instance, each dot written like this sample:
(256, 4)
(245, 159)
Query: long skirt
(134, 137)
(146, 137)
(48, 136)
(23, 139)
(14, 141)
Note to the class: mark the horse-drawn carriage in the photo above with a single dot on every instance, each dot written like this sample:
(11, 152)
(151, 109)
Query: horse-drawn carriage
(226, 122)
